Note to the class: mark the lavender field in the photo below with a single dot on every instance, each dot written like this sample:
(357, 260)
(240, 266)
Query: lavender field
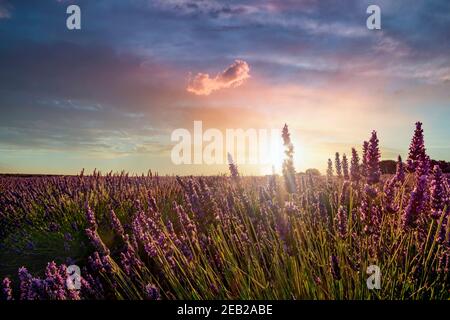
(293, 236)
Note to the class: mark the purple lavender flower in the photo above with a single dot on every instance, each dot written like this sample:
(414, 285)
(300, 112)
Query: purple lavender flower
(116, 224)
(354, 167)
(233, 167)
(68, 237)
(97, 242)
(74, 226)
(424, 166)
(330, 169)
(438, 193)
(341, 220)
(369, 212)
(152, 292)
(53, 227)
(91, 287)
(186, 223)
(150, 247)
(71, 293)
(400, 171)
(345, 167)
(95, 262)
(139, 226)
(444, 262)
(364, 158)
(416, 204)
(37, 290)
(54, 283)
(100, 263)
(25, 283)
(344, 197)
(442, 234)
(389, 195)
(153, 207)
(417, 151)
(90, 217)
(338, 165)
(288, 163)
(129, 259)
(373, 160)
(334, 267)
(6, 290)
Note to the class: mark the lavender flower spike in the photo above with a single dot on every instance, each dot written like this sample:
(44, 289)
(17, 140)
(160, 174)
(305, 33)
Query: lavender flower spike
(330, 169)
(25, 283)
(417, 151)
(288, 163)
(345, 167)
(400, 171)
(152, 292)
(438, 194)
(364, 158)
(416, 204)
(233, 167)
(334, 266)
(373, 160)
(90, 217)
(342, 221)
(337, 163)
(354, 167)
(116, 224)
(6, 293)
(97, 242)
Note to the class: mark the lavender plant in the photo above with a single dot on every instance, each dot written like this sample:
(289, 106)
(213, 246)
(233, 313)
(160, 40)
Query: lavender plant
(163, 237)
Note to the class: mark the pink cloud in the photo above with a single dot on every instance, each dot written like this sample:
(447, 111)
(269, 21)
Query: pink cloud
(231, 77)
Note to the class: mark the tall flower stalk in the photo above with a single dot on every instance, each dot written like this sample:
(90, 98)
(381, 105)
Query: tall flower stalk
(416, 204)
(438, 194)
(373, 160)
(6, 293)
(355, 174)
(400, 171)
(338, 165)
(345, 167)
(288, 163)
(330, 169)
(341, 220)
(232, 167)
(417, 151)
(365, 150)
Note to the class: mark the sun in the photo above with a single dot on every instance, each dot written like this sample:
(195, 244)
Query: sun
(273, 162)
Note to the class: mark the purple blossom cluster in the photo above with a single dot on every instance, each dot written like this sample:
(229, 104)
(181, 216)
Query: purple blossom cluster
(233, 167)
(373, 160)
(52, 286)
(417, 152)
(355, 170)
(288, 164)
(338, 164)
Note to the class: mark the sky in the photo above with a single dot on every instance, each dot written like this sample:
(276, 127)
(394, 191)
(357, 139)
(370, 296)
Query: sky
(109, 96)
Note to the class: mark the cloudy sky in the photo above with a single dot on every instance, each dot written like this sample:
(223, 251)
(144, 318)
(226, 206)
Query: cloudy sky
(109, 95)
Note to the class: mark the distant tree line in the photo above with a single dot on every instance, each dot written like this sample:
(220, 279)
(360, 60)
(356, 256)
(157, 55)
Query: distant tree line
(388, 166)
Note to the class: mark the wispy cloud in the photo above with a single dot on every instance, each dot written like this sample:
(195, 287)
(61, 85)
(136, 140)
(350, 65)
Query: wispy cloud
(212, 8)
(5, 10)
(231, 77)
